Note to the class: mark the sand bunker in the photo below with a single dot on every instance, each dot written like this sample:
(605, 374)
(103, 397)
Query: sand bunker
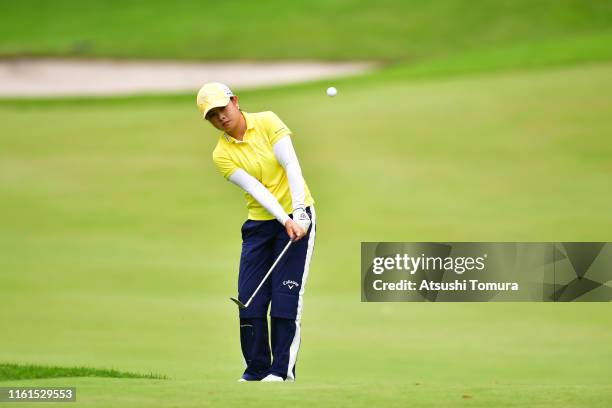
(54, 77)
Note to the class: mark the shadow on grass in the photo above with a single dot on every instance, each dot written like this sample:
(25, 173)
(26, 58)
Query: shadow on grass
(29, 371)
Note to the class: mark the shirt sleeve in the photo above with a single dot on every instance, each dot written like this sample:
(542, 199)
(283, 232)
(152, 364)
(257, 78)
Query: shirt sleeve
(224, 164)
(259, 192)
(285, 154)
(276, 128)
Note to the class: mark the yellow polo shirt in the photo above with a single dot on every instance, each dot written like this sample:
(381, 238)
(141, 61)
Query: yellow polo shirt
(255, 155)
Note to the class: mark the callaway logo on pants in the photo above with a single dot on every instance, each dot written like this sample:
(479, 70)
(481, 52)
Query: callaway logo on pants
(262, 242)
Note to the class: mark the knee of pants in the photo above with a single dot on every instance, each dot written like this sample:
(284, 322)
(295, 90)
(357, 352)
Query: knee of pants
(259, 305)
(284, 305)
(254, 311)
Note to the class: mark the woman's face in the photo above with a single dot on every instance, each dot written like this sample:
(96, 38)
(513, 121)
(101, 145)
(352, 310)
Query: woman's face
(225, 118)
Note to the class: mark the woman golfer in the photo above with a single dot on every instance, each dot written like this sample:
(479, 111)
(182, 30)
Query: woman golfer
(255, 152)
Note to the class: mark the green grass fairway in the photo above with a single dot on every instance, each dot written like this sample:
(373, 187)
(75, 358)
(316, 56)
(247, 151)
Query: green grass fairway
(120, 242)
(32, 371)
(389, 30)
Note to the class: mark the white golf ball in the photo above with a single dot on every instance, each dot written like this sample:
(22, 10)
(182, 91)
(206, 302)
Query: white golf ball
(331, 91)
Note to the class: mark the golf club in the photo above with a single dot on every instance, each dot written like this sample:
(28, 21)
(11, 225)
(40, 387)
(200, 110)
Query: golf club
(245, 305)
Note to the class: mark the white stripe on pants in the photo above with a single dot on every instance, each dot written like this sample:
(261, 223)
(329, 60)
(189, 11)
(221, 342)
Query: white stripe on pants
(295, 344)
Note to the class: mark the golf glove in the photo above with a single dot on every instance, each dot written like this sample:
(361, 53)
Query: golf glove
(301, 218)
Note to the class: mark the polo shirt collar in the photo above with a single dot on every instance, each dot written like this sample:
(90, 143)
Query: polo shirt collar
(249, 124)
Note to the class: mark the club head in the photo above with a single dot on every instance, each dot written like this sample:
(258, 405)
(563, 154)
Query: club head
(239, 303)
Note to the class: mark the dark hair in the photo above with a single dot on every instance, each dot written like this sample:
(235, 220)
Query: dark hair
(232, 98)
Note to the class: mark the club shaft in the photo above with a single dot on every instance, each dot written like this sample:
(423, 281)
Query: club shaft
(268, 274)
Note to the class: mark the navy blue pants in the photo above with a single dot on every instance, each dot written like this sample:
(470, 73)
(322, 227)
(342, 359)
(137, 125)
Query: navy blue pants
(283, 291)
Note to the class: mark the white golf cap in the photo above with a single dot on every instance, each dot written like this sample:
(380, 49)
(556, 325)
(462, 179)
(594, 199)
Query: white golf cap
(213, 95)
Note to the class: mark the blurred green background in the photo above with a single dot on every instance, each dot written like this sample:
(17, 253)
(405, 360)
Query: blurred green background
(120, 242)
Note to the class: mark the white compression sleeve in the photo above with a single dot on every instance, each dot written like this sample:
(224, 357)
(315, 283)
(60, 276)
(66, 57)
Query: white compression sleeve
(252, 186)
(285, 154)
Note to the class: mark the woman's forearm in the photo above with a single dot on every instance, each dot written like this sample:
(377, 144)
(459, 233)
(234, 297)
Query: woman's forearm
(286, 156)
(259, 192)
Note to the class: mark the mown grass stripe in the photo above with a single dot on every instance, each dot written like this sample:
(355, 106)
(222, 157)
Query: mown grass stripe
(9, 371)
